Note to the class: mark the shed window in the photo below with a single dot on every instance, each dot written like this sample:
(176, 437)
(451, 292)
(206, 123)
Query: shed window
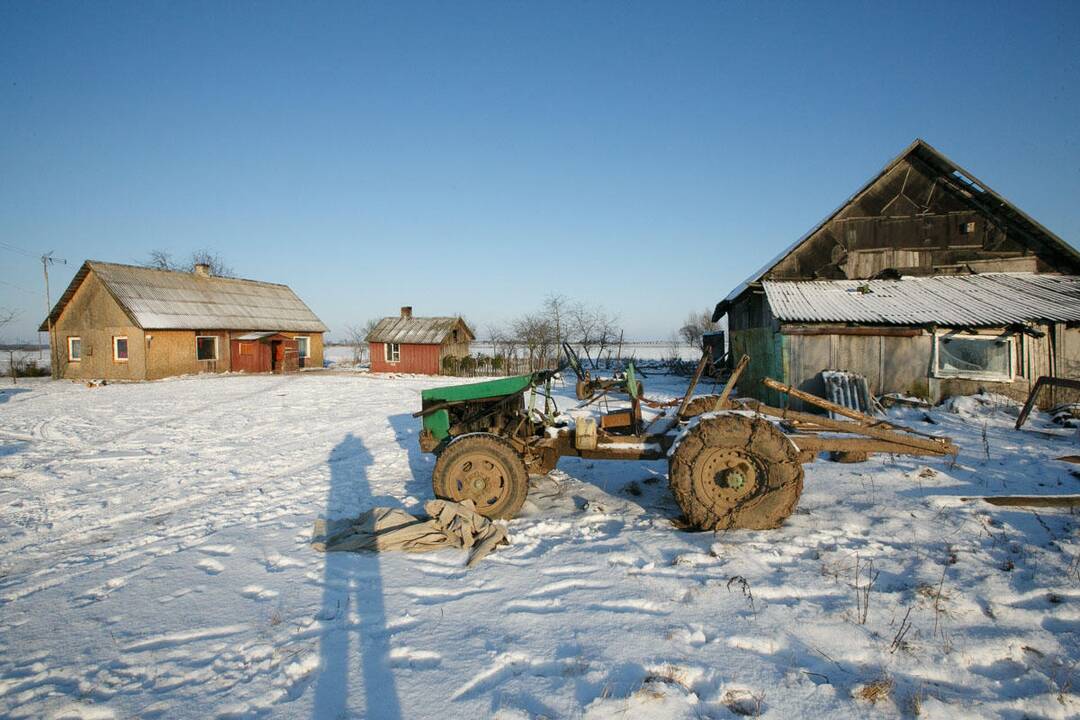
(74, 349)
(303, 346)
(393, 352)
(977, 357)
(119, 349)
(206, 347)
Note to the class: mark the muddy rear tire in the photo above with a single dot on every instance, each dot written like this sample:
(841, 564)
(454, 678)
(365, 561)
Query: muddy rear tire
(483, 468)
(733, 471)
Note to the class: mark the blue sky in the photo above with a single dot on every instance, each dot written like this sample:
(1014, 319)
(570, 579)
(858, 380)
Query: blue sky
(473, 157)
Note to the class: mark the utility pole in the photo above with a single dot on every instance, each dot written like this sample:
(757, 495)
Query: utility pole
(54, 356)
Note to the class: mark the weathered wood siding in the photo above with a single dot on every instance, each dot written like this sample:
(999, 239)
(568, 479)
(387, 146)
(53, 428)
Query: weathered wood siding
(418, 359)
(897, 364)
(910, 220)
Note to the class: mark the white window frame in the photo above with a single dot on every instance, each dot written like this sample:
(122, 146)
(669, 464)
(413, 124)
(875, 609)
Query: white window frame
(216, 348)
(306, 353)
(392, 352)
(971, 374)
(72, 357)
(116, 348)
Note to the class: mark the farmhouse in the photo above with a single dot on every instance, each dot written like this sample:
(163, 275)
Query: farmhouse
(123, 322)
(417, 344)
(925, 281)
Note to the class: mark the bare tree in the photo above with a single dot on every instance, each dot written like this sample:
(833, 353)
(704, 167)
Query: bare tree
(163, 260)
(356, 336)
(594, 330)
(558, 309)
(696, 325)
(537, 335)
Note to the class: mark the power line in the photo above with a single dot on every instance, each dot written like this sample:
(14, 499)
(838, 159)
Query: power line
(27, 253)
(17, 287)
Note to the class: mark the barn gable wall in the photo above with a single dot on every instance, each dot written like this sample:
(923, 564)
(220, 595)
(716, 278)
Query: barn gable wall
(911, 219)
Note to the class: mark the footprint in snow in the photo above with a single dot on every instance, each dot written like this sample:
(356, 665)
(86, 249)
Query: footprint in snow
(210, 566)
(257, 592)
(217, 550)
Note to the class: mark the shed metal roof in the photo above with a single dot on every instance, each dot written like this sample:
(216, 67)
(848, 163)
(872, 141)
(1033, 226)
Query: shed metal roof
(171, 300)
(984, 300)
(415, 330)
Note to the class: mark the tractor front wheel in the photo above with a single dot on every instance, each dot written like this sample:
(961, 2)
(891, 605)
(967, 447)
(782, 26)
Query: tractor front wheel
(732, 471)
(483, 468)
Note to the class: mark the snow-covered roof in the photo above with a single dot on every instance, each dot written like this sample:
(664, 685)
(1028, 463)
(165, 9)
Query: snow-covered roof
(416, 330)
(953, 300)
(171, 300)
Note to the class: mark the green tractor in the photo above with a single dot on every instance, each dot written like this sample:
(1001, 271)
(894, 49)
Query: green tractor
(729, 464)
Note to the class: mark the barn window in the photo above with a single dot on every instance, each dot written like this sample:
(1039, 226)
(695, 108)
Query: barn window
(119, 349)
(976, 357)
(74, 349)
(393, 352)
(206, 347)
(303, 347)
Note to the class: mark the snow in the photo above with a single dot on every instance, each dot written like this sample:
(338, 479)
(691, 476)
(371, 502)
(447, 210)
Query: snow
(154, 562)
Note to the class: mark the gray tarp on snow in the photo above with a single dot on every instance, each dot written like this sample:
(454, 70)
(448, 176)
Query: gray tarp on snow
(450, 525)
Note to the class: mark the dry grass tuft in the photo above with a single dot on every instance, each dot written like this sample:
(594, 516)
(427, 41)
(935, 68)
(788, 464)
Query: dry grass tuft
(876, 691)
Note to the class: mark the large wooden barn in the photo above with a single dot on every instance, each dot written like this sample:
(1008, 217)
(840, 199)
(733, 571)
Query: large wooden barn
(925, 281)
(123, 322)
(408, 344)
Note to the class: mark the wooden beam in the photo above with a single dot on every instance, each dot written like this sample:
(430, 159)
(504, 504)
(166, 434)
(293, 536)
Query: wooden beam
(1030, 500)
(1034, 394)
(862, 330)
(828, 443)
(705, 355)
(722, 401)
(941, 446)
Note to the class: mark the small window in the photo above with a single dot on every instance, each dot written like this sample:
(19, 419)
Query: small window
(119, 349)
(976, 357)
(206, 347)
(303, 347)
(393, 352)
(74, 349)
(246, 349)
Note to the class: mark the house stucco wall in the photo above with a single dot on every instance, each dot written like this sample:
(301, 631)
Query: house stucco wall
(96, 318)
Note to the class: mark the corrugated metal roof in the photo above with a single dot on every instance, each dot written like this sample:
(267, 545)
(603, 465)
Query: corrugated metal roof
(415, 330)
(170, 300)
(951, 300)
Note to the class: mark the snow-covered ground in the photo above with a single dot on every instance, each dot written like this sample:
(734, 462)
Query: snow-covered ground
(154, 562)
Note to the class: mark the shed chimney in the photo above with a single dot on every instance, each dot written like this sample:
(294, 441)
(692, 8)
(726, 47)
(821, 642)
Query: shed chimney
(202, 269)
(406, 312)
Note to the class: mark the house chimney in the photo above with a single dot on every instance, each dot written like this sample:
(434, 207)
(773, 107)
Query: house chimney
(406, 312)
(202, 269)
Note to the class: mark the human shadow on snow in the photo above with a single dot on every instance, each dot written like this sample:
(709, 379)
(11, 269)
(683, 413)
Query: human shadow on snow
(353, 611)
(406, 431)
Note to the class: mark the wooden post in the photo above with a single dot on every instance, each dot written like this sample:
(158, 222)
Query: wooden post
(729, 386)
(693, 383)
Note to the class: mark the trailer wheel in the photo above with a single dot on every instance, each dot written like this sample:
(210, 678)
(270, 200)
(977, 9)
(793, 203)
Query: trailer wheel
(582, 390)
(732, 471)
(483, 468)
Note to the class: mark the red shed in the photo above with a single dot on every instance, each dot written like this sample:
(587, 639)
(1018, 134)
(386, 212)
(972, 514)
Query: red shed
(410, 344)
